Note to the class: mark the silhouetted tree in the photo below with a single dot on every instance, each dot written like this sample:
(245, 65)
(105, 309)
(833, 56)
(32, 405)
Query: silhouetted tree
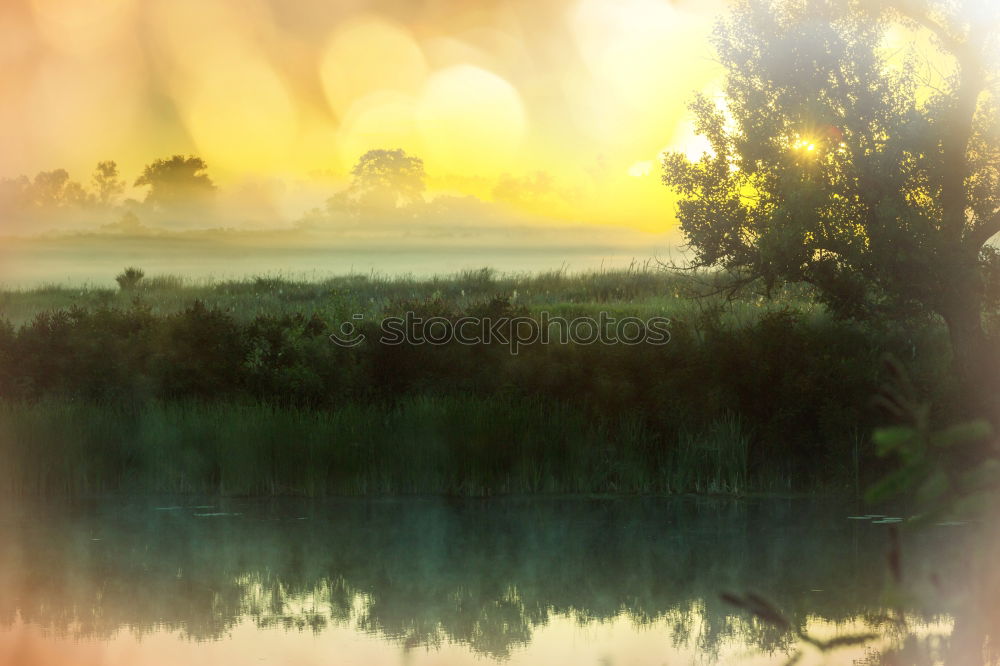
(48, 188)
(50, 196)
(383, 180)
(832, 165)
(108, 186)
(177, 183)
(53, 189)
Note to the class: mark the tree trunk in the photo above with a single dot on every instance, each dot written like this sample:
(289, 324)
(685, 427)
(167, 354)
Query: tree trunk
(974, 359)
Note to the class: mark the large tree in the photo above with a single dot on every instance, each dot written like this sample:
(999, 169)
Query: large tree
(383, 180)
(178, 184)
(838, 161)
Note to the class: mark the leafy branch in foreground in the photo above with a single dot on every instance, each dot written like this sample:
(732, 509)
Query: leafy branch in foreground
(951, 471)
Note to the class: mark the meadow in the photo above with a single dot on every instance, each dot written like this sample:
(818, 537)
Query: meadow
(166, 385)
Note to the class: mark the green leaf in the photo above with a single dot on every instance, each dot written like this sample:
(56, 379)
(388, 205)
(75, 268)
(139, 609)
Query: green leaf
(894, 483)
(892, 438)
(962, 433)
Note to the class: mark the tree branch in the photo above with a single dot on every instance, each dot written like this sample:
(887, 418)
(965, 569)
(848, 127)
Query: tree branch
(972, 82)
(980, 234)
(918, 11)
(913, 11)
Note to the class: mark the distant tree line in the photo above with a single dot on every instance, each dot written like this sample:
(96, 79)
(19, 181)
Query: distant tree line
(179, 184)
(384, 184)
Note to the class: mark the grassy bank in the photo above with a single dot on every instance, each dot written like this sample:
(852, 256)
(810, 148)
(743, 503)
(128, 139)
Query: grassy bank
(237, 388)
(641, 291)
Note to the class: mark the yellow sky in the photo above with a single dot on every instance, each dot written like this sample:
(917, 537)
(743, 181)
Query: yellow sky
(587, 91)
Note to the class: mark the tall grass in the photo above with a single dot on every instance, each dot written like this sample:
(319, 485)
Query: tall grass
(713, 460)
(459, 446)
(423, 445)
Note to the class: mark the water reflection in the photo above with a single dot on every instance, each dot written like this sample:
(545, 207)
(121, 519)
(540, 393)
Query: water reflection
(492, 576)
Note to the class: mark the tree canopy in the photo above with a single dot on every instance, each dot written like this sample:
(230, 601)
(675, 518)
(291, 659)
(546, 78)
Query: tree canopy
(108, 185)
(837, 161)
(383, 180)
(56, 192)
(177, 183)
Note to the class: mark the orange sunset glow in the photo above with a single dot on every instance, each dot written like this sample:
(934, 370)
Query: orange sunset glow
(588, 93)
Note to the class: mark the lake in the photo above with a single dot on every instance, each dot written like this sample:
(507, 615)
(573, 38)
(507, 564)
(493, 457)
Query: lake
(436, 581)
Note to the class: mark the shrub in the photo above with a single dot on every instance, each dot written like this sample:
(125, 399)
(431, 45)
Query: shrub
(130, 278)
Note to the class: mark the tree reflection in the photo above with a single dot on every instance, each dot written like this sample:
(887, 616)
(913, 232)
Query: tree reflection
(421, 572)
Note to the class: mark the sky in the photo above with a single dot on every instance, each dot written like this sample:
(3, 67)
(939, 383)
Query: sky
(560, 107)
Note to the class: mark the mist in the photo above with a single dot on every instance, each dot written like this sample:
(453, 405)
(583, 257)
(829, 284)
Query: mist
(174, 219)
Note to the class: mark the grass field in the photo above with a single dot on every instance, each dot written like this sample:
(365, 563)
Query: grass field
(643, 290)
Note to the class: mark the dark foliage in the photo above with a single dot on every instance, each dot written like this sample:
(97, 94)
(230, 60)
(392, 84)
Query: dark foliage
(799, 385)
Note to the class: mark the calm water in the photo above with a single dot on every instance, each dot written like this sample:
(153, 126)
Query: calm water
(433, 581)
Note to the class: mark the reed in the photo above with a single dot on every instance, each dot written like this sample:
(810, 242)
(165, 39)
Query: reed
(423, 445)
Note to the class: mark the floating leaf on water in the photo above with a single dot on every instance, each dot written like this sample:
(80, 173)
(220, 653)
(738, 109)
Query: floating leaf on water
(859, 517)
(211, 515)
(887, 521)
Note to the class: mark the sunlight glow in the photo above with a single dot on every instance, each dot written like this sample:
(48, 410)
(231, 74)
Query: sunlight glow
(367, 54)
(583, 90)
(693, 146)
(470, 119)
(383, 118)
(806, 145)
(640, 169)
(241, 116)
